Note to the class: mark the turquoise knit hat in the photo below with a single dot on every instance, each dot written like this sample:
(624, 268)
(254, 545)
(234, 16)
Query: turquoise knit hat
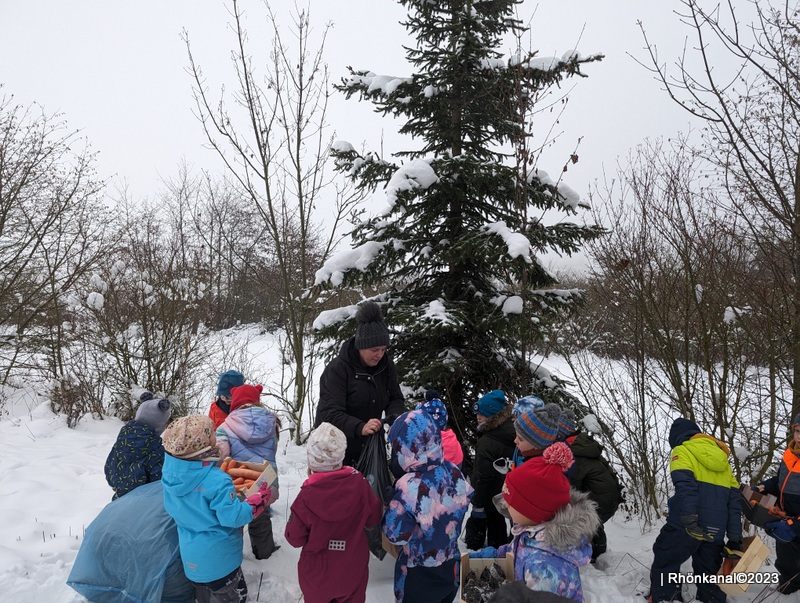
(490, 404)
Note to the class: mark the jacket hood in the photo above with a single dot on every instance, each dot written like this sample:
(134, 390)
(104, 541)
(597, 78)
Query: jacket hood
(566, 534)
(415, 441)
(181, 477)
(709, 452)
(252, 424)
(681, 430)
(331, 494)
(585, 446)
(136, 434)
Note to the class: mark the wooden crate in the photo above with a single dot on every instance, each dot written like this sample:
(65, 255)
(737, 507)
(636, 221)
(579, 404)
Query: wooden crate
(755, 553)
(467, 565)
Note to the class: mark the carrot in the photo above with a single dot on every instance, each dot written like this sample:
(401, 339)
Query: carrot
(244, 472)
(248, 483)
(238, 481)
(774, 510)
(224, 466)
(231, 464)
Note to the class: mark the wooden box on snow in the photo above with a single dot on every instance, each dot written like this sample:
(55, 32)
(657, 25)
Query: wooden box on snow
(268, 475)
(755, 553)
(755, 506)
(467, 565)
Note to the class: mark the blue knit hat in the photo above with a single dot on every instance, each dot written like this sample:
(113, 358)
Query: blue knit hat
(490, 404)
(526, 404)
(682, 430)
(228, 380)
(435, 408)
(538, 426)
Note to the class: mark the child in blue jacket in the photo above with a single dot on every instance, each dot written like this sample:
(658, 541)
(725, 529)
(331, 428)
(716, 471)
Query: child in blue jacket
(426, 512)
(137, 455)
(202, 500)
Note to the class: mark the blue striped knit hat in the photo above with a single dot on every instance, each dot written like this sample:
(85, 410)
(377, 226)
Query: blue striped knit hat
(566, 424)
(538, 426)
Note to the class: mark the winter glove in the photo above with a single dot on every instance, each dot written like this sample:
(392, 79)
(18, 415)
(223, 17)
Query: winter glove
(779, 530)
(475, 533)
(487, 553)
(734, 549)
(259, 500)
(478, 513)
(695, 531)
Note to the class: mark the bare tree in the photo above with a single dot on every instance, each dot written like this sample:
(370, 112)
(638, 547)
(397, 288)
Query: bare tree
(273, 139)
(51, 230)
(672, 305)
(751, 116)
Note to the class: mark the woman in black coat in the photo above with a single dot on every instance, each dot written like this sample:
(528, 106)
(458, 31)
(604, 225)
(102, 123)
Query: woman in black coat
(360, 385)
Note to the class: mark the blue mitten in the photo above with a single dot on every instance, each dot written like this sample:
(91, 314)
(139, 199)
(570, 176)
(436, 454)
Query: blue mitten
(485, 553)
(780, 530)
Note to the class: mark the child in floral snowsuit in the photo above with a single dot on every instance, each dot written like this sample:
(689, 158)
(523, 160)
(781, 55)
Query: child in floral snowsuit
(553, 525)
(426, 512)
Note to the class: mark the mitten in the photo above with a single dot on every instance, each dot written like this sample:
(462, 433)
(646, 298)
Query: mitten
(734, 549)
(475, 533)
(486, 553)
(694, 530)
(779, 530)
(259, 500)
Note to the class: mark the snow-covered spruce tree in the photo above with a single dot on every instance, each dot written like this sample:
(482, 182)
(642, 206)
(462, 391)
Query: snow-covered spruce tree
(453, 256)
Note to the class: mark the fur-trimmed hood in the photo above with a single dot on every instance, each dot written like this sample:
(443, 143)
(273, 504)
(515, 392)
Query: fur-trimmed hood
(573, 525)
(495, 421)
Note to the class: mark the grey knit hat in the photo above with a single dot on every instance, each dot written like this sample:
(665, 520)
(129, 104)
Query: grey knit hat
(371, 331)
(154, 413)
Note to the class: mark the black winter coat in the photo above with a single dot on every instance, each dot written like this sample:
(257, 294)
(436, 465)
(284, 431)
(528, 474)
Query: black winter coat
(350, 394)
(495, 441)
(591, 474)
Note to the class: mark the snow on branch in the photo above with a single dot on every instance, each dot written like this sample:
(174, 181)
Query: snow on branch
(359, 258)
(416, 174)
(517, 243)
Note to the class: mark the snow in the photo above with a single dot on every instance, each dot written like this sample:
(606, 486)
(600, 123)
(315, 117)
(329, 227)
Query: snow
(517, 243)
(52, 486)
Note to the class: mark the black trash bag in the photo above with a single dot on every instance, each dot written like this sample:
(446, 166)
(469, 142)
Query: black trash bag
(374, 466)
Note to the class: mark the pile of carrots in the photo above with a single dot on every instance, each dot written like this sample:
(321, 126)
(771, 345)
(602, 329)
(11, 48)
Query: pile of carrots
(243, 478)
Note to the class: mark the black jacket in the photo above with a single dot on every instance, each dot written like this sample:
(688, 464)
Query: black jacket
(592, 474)
(350, 394)
(495, 441)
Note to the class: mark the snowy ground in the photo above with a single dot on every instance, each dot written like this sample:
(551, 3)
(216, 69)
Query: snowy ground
(52, 486)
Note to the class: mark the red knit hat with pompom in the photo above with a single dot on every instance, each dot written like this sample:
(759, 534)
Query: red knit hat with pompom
(539, 488)
(245, 394)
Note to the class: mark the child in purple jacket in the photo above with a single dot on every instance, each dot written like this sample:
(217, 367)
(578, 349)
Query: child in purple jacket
(328, 519)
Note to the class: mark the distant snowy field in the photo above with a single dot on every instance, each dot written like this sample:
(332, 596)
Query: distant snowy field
(52, 486)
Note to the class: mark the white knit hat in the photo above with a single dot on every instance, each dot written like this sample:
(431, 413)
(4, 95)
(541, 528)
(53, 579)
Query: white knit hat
(326, 446)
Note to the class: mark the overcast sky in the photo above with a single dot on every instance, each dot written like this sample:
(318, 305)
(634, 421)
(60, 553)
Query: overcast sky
(117, 72)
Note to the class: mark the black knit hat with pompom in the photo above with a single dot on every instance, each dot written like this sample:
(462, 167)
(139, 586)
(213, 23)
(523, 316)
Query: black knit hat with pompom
(371, 331)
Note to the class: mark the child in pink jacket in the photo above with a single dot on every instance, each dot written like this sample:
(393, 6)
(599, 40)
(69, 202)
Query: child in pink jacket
(451, 447)
(328, 518)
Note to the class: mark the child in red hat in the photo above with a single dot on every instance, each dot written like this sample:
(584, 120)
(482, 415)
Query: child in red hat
(553, 525)
(250, 433)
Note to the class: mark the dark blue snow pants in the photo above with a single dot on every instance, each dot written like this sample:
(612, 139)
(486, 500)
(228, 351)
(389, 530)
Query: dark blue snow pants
(432, 584)
(672, 547)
